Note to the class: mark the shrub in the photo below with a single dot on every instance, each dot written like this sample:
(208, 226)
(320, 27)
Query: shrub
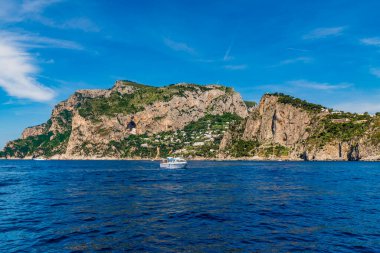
(296, 102)
(250, 103)
(243, 148)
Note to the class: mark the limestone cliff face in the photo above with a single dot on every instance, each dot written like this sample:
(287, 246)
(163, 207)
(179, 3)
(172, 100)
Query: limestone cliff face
(93, 137)
(288, 128)
(181, 110)
(33, 131)
(196, 121)
(274, 122)
(85, 124)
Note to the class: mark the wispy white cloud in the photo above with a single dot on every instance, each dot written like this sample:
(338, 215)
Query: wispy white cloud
(12, 11)
(318, 85)
(81, 23)
(28, 40)
(375, 72)
(17, 74)
(235, 67)
(294, 60)
(179, 46)
(16, 11)
(45, 61)
(321, 33)
(374, 41)
(227, 56)
(36, 6)
(19, 68)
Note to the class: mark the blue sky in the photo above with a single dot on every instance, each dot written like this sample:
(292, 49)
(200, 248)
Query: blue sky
(323, 51)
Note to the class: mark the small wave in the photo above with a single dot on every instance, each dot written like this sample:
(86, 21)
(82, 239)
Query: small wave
(196, 215)
(9, 182)
(89, 219)
(110, 232)
(208, 216)
(56, 239)
(59, 204)
(8, 167)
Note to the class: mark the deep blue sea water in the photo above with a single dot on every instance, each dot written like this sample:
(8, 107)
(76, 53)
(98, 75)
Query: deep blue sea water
(118, 206)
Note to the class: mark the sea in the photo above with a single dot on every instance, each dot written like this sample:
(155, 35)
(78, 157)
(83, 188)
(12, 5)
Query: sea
(212, 206)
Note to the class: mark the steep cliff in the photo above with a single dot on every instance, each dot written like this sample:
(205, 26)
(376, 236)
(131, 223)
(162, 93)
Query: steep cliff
(289, 128)
(196, 121)
(93, 123)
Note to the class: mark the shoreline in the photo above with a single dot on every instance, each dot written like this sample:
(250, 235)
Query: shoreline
(250, 159)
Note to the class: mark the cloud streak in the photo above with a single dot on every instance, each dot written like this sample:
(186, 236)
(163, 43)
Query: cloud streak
(179, 46)
(235, 67)
(227, 56)
(293, 61)
(296, 60)
(17, 74)
(16, 11)
(81, 23)
(34, 41)
(374, 41)
(318, 85)
(322, 33)
(36, 6)
(18, 67)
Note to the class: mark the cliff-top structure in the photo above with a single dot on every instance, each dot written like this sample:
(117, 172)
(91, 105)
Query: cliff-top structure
(196, 121)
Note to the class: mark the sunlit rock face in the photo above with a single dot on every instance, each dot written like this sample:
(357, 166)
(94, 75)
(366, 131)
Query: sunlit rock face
(85, 124)
(198, 122)
(298, 130)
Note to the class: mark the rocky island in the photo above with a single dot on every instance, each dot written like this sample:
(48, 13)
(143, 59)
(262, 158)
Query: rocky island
(199, 122)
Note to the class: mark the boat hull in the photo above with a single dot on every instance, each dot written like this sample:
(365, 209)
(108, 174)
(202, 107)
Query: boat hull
(173, 165)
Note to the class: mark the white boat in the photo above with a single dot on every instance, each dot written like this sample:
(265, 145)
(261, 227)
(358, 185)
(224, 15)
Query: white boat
(39, 159)
(173, 163)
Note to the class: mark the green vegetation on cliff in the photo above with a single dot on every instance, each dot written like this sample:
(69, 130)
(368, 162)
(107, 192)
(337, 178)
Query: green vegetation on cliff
(134, 102)
(243, 148)
(248, 148)
(375, 131)
(40, 145)
(46, 144)
(250, 103)
(340, 127)
(199, 138)
(296, 102)
(274, 150)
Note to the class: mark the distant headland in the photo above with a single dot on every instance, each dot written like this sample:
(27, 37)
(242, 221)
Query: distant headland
(136, 121)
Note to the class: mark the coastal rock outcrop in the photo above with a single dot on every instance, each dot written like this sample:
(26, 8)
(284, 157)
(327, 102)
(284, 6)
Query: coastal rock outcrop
(275, 122)
(284, 127)
(90, 122)
(196, 121)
